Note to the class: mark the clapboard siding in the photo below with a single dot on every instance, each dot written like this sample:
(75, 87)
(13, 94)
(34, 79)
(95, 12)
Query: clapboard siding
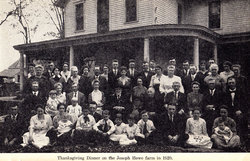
(118, 17)
(90, 18)
(235, 15)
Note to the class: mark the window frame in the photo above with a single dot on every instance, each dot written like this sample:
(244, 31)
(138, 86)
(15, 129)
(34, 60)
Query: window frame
(83, 15)
(219, 16)
(125, 13)
(179, 21)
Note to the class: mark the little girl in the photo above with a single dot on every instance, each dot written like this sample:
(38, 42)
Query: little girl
(197, 131)
(74, 110)
(223, 132)
(51, 106)
(119, 129)
(132, 131)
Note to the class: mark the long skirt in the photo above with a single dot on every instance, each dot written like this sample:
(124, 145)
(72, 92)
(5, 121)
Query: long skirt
(200, 141)
(117, 137)
(39, 139)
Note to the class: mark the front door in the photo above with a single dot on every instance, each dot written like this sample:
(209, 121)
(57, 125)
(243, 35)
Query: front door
(102, 16)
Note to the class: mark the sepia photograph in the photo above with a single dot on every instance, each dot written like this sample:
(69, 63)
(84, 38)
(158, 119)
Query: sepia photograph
(137, 77)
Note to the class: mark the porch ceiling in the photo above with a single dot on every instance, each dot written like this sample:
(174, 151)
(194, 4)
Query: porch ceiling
(139, 32)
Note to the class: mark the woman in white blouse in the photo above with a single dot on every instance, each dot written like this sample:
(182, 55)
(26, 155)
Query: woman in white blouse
(40, 124)
(60, 96)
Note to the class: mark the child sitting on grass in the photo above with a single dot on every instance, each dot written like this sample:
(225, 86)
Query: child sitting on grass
(104, 128)
(132, 131)
(119, 129)
(223, 132)
(146, 127)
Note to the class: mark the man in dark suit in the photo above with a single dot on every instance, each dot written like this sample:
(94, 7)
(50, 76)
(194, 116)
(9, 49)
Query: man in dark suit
(212, 99)
(49, 72)
(32, 99)
(102, 81)
(113, 75)
(145, 75)
(75, 93)
(236, 102)
(185, 69)
(84, 83)
(117, 101)
(44, 83)
(177, 98)
(242, 83)
(172, 127)
(187, 80)
(13, 128)
(132, 72)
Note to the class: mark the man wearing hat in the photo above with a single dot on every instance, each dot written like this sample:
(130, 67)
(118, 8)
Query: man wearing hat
(132, 72)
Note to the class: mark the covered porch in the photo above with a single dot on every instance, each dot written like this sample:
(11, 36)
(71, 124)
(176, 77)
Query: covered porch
(158, 42)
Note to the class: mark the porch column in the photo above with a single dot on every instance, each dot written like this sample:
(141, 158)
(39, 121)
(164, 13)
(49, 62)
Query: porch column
(215, 54)
(196, 52)
(146, 49)
(21, 71)
(71, 56)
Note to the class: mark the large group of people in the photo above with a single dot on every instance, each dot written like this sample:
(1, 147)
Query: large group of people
(164, 106)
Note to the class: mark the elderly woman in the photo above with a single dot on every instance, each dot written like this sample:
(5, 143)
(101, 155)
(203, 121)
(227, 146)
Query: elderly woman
(124, 82)
(139, 91)
(229, 122)
(74, 79)
(40, 124)
(60, 95)
(214, 75)
(194, 98)
(63, 123)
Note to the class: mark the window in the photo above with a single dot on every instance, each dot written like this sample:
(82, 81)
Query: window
(131, 10)
(79, 17)
(179, 13)
(214, 14)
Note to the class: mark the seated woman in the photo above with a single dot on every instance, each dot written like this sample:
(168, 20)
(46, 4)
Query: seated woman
(60, 95)
(40, 124)
(194, 98)
(139, 92)
(197, 131)
(63, 123)
(229, 122)
(124, 82)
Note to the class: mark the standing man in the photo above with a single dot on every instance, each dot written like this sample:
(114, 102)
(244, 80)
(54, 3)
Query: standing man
(132, 72)
(145, 74)
(114, 74)
(242, 83)
(152, 66)
(84, 82)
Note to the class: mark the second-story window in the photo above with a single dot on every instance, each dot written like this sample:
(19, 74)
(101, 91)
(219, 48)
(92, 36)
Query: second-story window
(131, 10)
(79, 17)
(214, 14)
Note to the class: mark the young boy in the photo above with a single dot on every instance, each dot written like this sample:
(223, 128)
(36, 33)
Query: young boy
(146, 127)
(84, 128)
(132, 131)
(119, 129)
(223, 132)
(74, 110)
(92, 109)
(104, 128)
(51, 106)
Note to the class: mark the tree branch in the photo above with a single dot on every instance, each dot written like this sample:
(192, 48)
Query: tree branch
(9, 14)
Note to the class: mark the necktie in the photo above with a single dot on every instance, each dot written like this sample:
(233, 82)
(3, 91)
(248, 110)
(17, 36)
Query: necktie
(75, 94)
(106, 128)
(145, 131)
(132, 72)
(115, 72)
(212, 92)
(14, 117)
(171, 118)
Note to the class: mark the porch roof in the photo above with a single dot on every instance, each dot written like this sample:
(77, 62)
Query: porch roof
(117, 35)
